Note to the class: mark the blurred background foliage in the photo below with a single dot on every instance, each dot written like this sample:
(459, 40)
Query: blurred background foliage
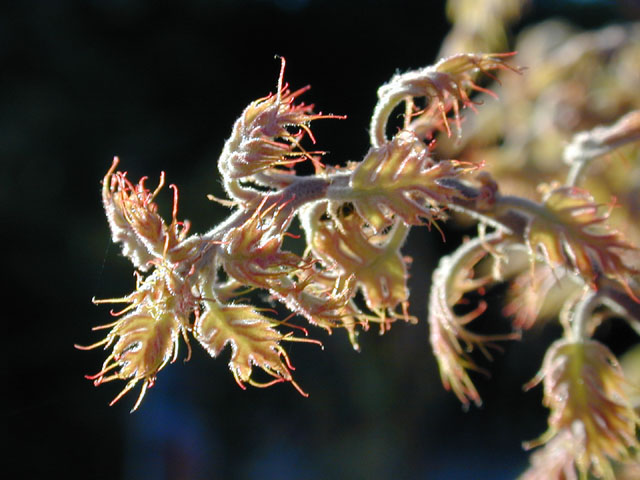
(159, 84)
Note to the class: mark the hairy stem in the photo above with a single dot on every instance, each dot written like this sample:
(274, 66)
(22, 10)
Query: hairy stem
(582, 314)
(592, 144)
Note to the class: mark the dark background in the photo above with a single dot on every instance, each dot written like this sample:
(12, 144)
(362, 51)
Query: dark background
(160, 84)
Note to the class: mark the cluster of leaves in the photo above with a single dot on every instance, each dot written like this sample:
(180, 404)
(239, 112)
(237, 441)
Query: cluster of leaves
(355, 219)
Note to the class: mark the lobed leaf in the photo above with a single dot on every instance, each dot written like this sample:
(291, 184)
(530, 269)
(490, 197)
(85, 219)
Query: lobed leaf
(585, 389)
(379, 269)
(268, 135)
(323, 299)
(135, 222)
(538, 294)
(251, 253)
(451, 341)
(574, 232)
(253, 341)
(400, 179)
(445, 84)
(146, 340)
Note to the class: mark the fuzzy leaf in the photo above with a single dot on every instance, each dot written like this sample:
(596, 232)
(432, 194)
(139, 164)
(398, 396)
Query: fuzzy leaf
(266, 136)
(575, 233)
(146, 341)
(399, 178)
(584, 387)
(451, 341)
(253, 340)
(324, 300)
(251, 254)
(378, 268)
(135, 222)
(444, 84)
(538, 295)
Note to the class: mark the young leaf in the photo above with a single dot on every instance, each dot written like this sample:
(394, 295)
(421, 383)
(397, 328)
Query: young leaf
(399, 178)
(445, 84)
(146, 340)
(585, 389)
(574, 232)
(253, 341)
(251, 253)
(268, 135)
(450, 339)
(135, 222)
(379, 269)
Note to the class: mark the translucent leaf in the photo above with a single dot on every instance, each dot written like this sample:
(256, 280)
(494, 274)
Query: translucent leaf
(585, 389)
(538, 295)
(444, 84)
(399, 178)
(323, 299)
(379, 269)
(252, 254)
(574, 232)
(253, 341)
(451, 341)
(268, 135)
(147, 336)
(146, 341)
(135, 222)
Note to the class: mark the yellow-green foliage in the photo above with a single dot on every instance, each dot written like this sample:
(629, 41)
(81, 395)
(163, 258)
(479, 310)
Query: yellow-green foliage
(550, 172)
